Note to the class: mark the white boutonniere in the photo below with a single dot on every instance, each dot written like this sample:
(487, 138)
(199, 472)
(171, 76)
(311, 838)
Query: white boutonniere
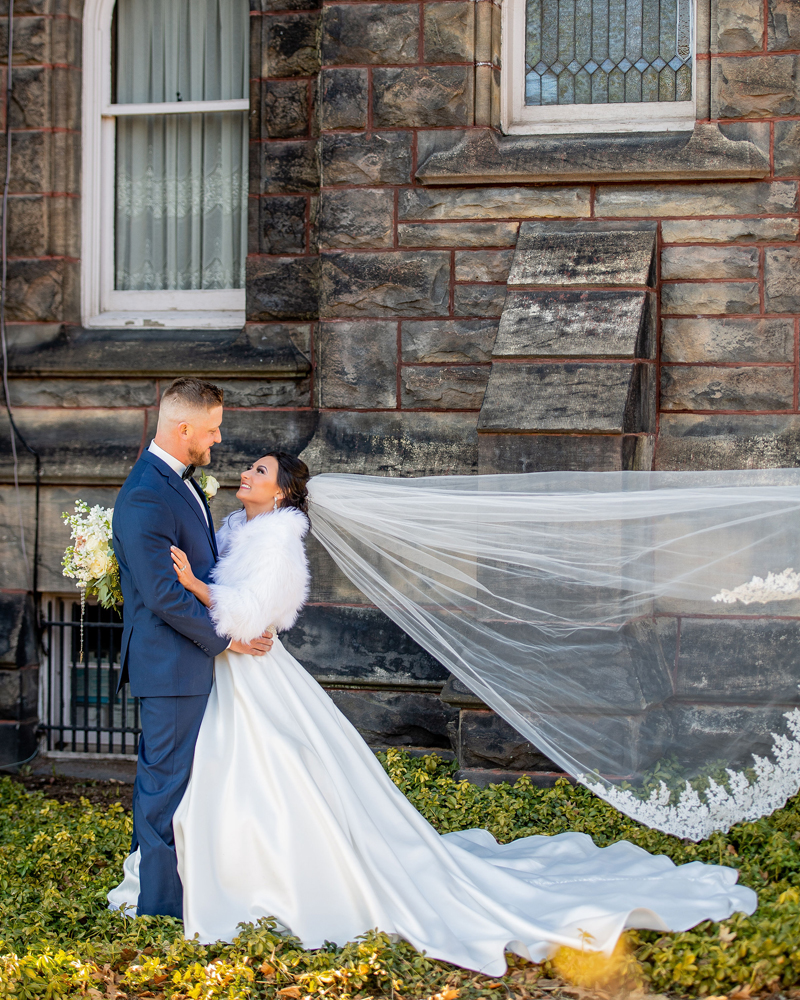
(209, 486)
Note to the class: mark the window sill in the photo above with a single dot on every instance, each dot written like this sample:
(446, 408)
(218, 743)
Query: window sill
(167, 320)
(483, 155)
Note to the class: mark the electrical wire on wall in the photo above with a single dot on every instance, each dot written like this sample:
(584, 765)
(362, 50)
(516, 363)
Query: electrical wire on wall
(16, 435)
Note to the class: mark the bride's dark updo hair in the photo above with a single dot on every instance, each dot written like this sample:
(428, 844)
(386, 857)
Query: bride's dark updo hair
(293, 476)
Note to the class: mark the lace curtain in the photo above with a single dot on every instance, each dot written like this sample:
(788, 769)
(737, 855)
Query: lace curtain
(181, 179)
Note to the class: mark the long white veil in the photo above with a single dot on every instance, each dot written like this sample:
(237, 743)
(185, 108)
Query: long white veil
(641, 629)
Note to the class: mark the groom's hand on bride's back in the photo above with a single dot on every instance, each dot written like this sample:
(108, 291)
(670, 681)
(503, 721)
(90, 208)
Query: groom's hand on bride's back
(256, 647)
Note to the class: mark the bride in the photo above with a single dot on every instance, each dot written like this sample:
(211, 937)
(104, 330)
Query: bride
(288, 813)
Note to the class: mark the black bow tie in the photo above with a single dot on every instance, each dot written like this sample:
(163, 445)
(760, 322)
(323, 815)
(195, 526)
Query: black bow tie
(188, 472)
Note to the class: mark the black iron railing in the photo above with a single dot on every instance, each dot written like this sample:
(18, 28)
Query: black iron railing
(79, 706)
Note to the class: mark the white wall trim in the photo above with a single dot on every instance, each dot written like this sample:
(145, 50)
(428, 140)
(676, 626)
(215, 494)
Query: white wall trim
(517, 118)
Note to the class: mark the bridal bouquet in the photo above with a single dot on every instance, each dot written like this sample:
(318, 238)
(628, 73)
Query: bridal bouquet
(90, 560)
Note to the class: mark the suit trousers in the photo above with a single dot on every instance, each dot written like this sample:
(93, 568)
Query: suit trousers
(169, 732)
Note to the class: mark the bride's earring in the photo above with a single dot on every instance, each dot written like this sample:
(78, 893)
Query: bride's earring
(275, 506)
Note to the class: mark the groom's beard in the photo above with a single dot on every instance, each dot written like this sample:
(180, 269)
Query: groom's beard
(200, 458)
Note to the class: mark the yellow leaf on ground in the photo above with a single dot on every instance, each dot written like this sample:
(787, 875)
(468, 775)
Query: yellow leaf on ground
(294, 992)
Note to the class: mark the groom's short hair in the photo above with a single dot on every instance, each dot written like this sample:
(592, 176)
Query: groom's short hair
(192, 393)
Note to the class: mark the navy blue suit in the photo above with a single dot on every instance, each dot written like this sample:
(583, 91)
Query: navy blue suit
(167, 656)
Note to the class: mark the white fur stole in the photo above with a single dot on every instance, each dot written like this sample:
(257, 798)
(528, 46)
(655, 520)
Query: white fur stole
(262, 579)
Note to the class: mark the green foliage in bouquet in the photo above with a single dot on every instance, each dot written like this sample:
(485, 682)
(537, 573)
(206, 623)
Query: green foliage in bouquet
(58, 939)
(90, 560)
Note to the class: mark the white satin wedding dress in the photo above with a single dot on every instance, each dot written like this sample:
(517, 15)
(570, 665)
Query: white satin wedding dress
(289, 814)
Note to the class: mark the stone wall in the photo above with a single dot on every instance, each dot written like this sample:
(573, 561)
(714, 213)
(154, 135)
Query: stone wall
(387, 214)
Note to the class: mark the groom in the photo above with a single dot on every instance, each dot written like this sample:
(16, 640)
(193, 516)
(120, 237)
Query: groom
(168, 640)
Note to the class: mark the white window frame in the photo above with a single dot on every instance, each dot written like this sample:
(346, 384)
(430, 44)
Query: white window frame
(101, 304)
(517, 118)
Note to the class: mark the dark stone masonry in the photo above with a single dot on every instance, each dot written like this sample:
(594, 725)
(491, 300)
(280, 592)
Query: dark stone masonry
(427, 295)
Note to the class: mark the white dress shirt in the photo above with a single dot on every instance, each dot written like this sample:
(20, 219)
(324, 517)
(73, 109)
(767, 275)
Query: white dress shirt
(180, 468)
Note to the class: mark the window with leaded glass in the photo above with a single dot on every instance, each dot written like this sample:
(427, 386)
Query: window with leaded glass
(598, 65)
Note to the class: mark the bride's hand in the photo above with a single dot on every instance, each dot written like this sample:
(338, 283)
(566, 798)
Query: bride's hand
(183, 570)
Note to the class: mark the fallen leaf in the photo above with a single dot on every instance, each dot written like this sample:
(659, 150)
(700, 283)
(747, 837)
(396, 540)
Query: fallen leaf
(291, 991)
(726, 935)
(267, 969)
(743, 993)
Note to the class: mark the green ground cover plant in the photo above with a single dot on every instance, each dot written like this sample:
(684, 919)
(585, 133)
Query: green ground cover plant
(58, 940)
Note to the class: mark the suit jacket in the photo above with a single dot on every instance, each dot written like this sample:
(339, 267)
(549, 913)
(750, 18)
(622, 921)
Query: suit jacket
(168, 638)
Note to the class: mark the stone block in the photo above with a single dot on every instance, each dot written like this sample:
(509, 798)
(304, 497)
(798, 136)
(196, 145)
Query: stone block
(708, 262)
(361, 217)
(478, 300)
(783, 21)
(259, 393)
(713, 297)
(341, 645)
(32, 40)
(449, 31)
(730, 230)
(82, 392)
(457, 234)
(577, 324)
(291, 45)
(699, 340)
(759, 198)
(282, 349)
(443, 388)
(754, 87)
(288, 167)
(329, 585)
(397, 719)
(370, 33)
(31, 100)
(781, 277)
(64, 227)
(485, 740)
(357, 364)
(716, 731)
(379, 158)
(249, 434)
(344, 98)
(700, 387)
(433, 204)
(422, 96)
(553, 254)
(483, 265)
(739, 661)
(274, 6)
(66, 158)
(31, 161)
(279, 224)
(41, 290)
(394, 443)
(591, 398)
(18, 740)
(284, 108)
(757, 133)
(451, 340)
(282, 288)
(19, 692)
(66, 96)
(386, 284)
(75, 445)
(18, 644)
(722, 441)
(28, 234)
(740, 26)
(514, 453)
(787, 149)
(481, 156)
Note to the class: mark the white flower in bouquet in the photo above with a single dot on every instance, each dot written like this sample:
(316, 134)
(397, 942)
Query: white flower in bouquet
(90, 560)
